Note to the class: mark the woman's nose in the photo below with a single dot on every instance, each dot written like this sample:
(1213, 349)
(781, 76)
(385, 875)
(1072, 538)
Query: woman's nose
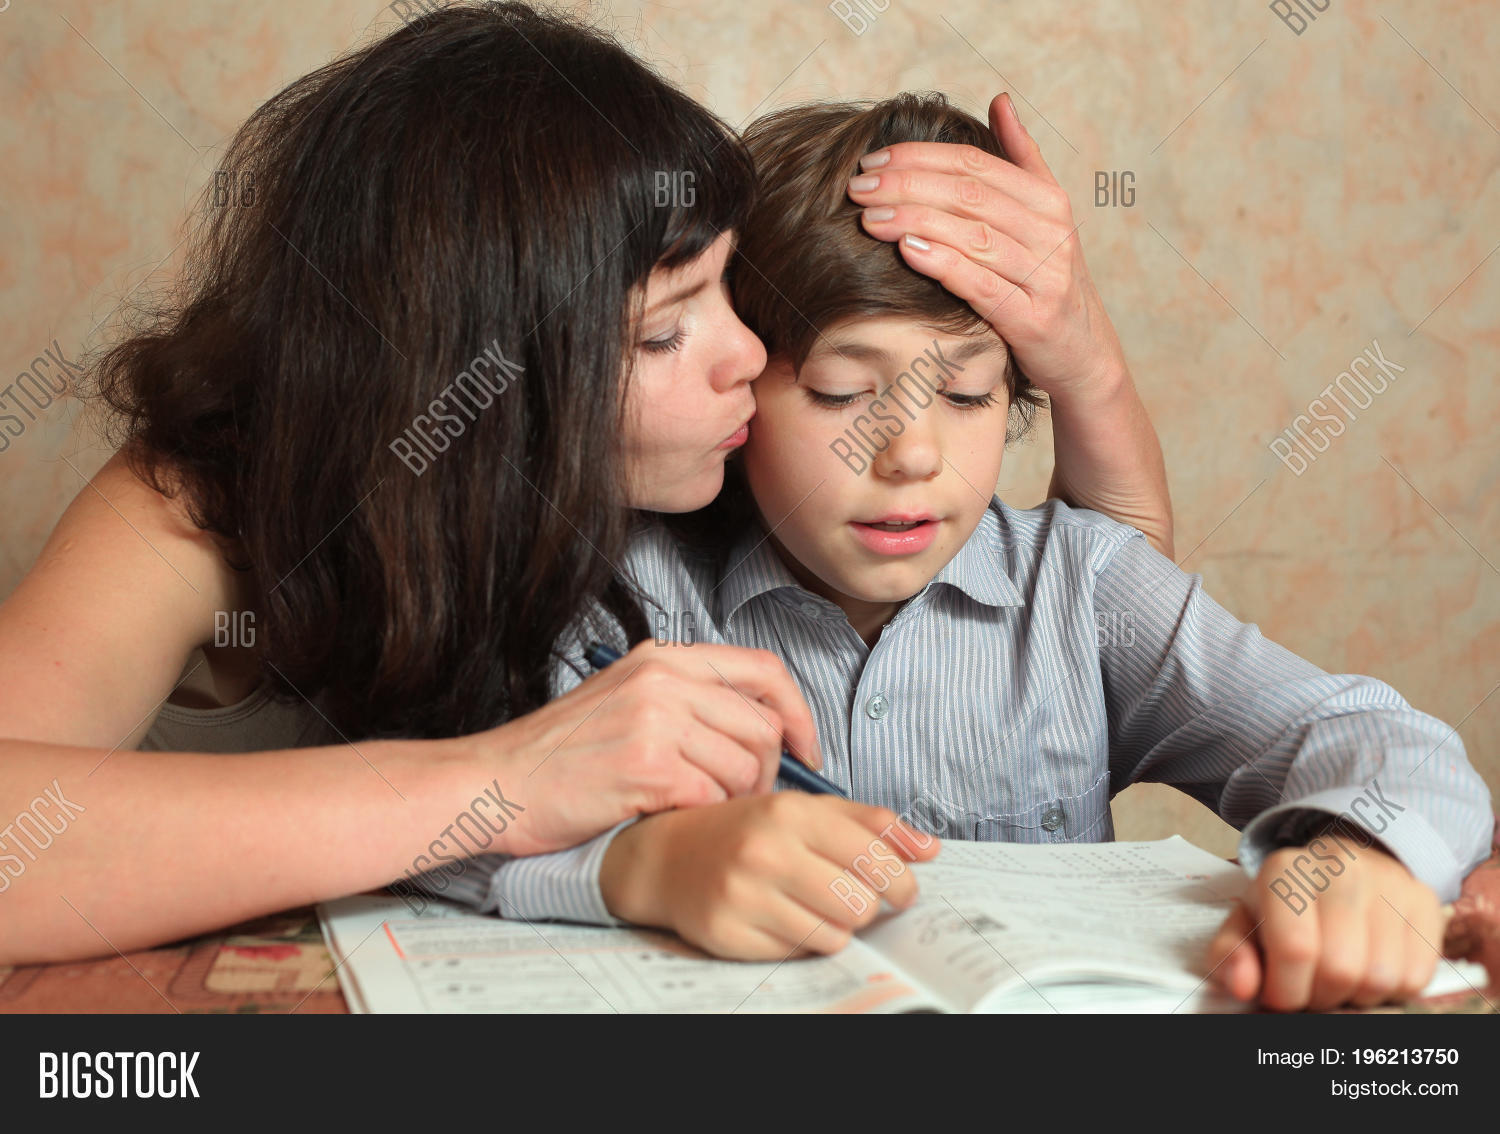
(743, 358)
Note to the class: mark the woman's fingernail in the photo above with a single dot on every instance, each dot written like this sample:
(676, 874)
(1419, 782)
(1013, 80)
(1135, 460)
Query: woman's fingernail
(863, 183)
(875, 160)
(884, 213)
(1011, 103)
(916, 242)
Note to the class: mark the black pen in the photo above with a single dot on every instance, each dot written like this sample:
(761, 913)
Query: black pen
(793, 771)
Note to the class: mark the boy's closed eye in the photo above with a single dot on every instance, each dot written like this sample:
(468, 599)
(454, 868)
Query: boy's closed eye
(962, 401)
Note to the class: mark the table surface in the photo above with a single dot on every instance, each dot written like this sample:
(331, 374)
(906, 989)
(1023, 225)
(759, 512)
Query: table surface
(280, 964)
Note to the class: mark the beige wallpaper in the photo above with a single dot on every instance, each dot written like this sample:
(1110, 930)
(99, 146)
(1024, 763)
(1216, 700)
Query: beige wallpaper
(1306, 190)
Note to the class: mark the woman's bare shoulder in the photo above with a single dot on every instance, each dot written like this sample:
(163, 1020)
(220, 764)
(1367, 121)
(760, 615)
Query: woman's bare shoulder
(96, 635)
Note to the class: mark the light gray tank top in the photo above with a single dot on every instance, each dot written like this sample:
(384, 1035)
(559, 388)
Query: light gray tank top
(259, 723)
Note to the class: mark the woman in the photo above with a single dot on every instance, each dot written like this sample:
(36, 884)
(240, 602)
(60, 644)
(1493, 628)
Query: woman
(382, 452)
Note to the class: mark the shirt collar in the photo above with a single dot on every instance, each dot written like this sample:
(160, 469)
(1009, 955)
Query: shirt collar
(752, 569)
(979, 570)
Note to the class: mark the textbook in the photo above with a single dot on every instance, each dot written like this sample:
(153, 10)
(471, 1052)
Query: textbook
(998, 927)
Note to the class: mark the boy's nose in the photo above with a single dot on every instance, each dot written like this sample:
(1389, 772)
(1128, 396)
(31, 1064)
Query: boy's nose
(916, 454)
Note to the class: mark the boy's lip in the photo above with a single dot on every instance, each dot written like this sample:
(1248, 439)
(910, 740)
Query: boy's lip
(901, 518)
(898, 542)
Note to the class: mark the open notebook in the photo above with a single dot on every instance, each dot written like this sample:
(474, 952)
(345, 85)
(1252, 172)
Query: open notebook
(999, 927)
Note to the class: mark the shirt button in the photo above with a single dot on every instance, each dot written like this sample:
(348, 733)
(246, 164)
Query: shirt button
(812, 610)
(1052, 818)
(877, 707)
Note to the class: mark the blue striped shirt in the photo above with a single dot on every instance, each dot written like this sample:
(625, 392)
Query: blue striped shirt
(1055, 660)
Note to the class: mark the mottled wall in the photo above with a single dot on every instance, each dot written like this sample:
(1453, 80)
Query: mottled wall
(1296, 198)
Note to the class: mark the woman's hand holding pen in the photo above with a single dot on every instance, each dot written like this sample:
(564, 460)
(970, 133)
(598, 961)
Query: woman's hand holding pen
(766, 878)
(661, 728)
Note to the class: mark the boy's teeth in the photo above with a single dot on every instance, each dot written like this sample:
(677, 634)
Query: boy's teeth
(890, 527)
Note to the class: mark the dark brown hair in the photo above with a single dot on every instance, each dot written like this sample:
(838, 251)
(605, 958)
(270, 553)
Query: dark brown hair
(487, 176)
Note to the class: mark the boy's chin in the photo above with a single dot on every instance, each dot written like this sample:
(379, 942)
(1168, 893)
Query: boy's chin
(884, 590)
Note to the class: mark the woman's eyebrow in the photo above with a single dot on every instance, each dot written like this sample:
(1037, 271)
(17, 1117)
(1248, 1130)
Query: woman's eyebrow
(686, 291)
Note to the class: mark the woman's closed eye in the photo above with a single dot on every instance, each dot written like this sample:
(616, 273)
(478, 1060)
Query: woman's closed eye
(672, 342)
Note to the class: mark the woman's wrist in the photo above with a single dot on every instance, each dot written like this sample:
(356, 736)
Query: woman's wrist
(468, 789)
(1109, 386)
(1107, 457)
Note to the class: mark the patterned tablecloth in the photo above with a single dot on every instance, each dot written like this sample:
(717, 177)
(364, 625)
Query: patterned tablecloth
(280, 964)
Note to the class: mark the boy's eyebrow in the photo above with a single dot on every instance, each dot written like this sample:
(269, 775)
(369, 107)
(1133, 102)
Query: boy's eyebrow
(857, 351)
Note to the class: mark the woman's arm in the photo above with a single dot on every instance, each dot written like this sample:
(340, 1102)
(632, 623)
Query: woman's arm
(1000, 235)
(157, 845)
(164, 845)
(1107, 457)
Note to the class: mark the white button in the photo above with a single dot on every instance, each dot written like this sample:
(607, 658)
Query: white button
(812, 610)
(877, 707)
(1052, 818)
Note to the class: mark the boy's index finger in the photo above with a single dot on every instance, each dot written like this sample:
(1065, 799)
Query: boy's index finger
(957, 160)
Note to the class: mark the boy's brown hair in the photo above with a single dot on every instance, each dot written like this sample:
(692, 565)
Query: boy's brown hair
(804, 263)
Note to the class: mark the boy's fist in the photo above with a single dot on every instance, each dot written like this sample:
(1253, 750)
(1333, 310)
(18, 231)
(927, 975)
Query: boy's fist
(766, 877)
(1373, 934)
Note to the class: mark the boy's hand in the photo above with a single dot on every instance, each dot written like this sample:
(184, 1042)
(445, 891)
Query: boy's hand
(764, 878)
(1372, 935)
(1002, 237)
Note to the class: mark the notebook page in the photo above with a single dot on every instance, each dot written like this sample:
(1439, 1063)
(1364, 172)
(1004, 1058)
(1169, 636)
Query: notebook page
(452, 959)
(1146, 912)
(995, 915)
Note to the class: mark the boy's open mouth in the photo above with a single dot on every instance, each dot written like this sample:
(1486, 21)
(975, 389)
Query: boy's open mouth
(897, 522)
(896, 535)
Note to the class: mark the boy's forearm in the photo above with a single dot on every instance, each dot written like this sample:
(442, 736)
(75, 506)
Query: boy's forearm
(1436, 830)
(1265, 737)
(1108, 457)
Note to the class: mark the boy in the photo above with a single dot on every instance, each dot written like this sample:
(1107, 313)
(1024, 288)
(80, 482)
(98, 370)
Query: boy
(985, 672)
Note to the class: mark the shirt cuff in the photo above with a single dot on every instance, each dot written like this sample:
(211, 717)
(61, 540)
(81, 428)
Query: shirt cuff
(1367, 820)
(561, 886)
(467, 882)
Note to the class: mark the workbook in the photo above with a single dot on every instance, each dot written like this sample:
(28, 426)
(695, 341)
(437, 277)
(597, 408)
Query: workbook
(999, 927)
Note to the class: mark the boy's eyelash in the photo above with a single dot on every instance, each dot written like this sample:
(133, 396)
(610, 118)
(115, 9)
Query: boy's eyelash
(832, 401)
(972, 401)
(957, 401)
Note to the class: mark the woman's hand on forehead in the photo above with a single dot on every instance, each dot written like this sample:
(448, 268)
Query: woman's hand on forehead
(1000, 235)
